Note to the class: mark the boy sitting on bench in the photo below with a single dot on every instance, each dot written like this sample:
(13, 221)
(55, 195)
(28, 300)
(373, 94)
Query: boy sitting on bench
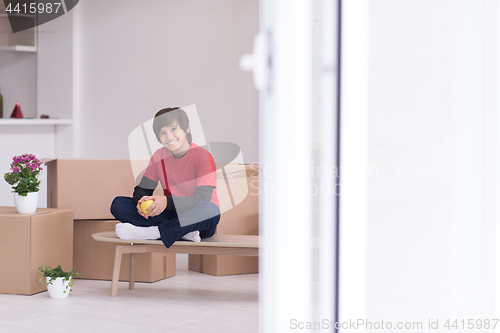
(189, 208)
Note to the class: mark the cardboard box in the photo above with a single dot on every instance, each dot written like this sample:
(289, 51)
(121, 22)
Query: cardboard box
(88, 186)
(238, 191)
(95, 260)
(28, 241)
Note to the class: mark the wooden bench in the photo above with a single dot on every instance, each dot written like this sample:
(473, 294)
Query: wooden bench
(240, 245)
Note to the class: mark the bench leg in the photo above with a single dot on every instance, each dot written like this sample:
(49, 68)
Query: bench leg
(131, 279)
(116, 270)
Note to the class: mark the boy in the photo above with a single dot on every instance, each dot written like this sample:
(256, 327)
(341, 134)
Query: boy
(189, 208)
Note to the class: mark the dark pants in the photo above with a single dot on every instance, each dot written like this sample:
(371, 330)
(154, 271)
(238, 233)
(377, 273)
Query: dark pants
(124, 210)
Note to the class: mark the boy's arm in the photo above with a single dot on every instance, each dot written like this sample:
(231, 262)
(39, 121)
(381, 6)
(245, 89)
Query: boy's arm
(182, 204)
(145, 188)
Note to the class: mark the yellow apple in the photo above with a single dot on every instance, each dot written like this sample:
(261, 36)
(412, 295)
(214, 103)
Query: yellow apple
(145, 205)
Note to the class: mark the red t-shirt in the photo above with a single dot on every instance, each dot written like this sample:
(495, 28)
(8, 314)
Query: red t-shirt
(179, 177)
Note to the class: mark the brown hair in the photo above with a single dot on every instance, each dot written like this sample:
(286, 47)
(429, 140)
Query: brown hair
(166, 116)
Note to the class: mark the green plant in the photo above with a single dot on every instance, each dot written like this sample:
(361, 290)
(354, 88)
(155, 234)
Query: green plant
(54, 273)
(23, 177)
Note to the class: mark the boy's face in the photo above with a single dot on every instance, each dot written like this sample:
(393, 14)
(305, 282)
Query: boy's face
(174, 139)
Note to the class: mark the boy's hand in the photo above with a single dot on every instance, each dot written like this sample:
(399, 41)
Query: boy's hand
(139, 210)
(158, 206)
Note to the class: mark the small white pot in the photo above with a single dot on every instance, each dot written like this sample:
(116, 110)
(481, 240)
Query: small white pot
(59, 288)
(27, 204)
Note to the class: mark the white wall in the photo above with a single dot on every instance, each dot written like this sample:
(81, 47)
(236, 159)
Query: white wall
(18, 82)
(55, 77)
(54, 68)
(140, 56)
(431, 202)
(113, 64)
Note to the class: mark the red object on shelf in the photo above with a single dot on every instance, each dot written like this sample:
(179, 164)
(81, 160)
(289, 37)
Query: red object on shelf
(16, 113)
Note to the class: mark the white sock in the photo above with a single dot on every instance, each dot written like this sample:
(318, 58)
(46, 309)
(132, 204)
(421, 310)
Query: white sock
(193, 236)
(130, 231)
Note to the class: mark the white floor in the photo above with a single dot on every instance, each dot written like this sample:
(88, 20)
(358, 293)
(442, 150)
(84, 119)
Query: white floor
(186, 302)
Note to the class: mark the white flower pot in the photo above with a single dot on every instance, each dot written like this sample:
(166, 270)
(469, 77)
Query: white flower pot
(27, 204)
(59, 288)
